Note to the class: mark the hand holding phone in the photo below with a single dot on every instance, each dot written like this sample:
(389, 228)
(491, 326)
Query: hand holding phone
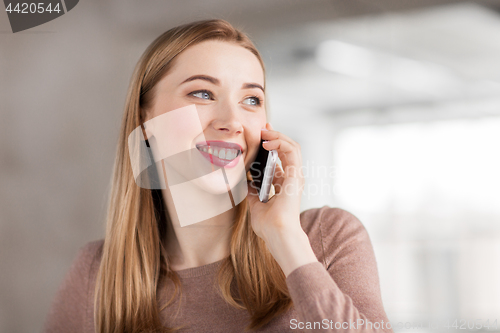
(262, 171)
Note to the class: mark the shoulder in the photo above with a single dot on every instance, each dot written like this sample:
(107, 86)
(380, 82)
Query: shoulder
(69, 309)
(83, 269)
(342, 244)
(333, 231)
(91, 251)
(86, 262)
(88, 256)
(314, 221)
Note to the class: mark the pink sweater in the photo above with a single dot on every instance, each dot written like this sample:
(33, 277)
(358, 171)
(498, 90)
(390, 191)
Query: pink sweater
(334, 294)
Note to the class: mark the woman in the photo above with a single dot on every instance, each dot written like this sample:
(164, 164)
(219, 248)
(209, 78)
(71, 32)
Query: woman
(261, 266)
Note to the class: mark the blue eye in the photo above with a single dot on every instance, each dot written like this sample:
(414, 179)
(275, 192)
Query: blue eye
(207, 95)
(202, 93)
(256, 100)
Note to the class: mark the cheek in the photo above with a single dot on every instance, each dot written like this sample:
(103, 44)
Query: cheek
(165, 103)
(253, 136)
(253, 124)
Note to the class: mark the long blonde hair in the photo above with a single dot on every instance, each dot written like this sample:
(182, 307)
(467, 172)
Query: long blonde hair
(133, 256)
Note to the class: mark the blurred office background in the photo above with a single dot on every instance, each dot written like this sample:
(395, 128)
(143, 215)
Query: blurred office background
(396, 105)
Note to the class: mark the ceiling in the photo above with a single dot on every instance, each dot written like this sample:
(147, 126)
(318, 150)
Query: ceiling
(424, 56)
(258, 17)
(435, 51)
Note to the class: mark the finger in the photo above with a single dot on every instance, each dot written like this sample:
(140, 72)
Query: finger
(272, 135)
(289, 155)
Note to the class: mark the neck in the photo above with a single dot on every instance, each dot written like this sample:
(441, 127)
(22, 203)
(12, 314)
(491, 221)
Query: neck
(196, 244)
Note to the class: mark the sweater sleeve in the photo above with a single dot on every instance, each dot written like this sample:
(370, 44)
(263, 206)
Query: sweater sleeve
(341, 291)
(68, 312)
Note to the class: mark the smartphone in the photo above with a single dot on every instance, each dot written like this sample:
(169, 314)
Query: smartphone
(262, 171)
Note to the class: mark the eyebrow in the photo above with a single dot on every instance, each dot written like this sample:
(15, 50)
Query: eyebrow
(216, 81)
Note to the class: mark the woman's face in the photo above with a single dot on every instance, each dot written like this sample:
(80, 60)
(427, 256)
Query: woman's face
(225, 83)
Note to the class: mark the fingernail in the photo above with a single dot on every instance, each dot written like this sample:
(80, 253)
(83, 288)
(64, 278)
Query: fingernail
(264, 129)
(265, 141)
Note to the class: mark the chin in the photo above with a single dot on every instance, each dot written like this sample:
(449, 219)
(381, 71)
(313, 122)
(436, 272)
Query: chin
(213, 185)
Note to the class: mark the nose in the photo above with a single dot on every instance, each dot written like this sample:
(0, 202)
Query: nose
(227, 120)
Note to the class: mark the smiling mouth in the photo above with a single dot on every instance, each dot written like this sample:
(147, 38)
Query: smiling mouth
(222, 153)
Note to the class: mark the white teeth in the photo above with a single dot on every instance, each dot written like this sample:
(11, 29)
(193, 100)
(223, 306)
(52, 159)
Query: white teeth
(231, 154)
(222, 153)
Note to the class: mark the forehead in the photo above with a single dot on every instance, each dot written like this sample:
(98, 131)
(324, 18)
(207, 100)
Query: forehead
(226, 61)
